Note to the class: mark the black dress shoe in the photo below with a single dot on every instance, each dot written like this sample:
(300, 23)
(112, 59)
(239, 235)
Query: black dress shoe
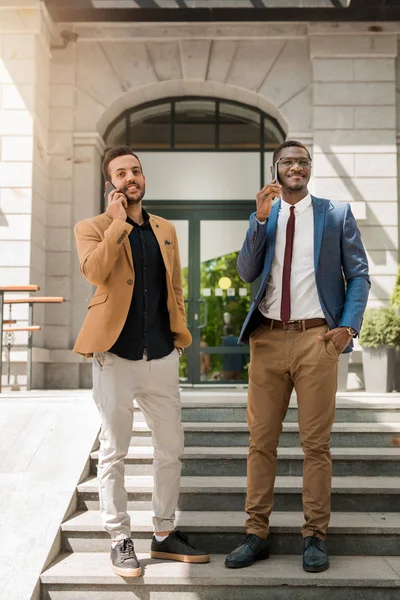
(177, 547)
(315, 555)
(124, 561)
(251, 549)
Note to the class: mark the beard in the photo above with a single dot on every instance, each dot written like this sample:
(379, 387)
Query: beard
(296, 186)
(135, 198)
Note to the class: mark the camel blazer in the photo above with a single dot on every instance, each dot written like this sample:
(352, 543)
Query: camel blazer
(105, 259)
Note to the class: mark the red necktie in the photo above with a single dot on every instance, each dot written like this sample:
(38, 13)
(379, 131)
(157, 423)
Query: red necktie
(287, 268)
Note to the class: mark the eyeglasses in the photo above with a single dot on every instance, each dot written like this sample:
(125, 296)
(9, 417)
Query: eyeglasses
(287, 163)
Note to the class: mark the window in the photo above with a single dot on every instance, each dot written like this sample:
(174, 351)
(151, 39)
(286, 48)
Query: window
(195, 124)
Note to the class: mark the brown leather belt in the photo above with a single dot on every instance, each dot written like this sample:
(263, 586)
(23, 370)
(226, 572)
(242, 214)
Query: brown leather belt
(300, 325)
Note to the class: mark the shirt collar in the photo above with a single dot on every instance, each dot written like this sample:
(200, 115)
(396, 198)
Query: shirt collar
(146, 219)
(299, 207)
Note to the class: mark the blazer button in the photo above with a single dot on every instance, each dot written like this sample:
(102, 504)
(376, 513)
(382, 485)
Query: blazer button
(129, 282)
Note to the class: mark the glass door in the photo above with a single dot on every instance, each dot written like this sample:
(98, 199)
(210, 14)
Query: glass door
(224, 301)
(210, 237)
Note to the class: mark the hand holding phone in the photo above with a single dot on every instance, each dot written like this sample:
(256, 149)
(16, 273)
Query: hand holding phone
(266, 197)
(116, 202)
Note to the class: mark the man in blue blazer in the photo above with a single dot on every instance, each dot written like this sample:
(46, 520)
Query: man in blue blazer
(310, 305)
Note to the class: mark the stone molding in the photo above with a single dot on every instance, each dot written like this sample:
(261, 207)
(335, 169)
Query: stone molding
(177, 88)
(139, 32)
(90, 139)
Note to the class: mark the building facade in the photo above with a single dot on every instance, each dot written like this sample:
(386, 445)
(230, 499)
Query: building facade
(232, 91)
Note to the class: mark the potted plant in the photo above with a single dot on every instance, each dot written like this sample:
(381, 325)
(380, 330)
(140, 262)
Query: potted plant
(396, 305)
(380, 335)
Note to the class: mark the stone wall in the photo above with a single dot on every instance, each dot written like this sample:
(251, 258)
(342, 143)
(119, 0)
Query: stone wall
(333, 86)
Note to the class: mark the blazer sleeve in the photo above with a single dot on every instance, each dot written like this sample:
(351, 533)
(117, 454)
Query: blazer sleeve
(355, 270)
(96, 255)
(177, 277)
(250, 262)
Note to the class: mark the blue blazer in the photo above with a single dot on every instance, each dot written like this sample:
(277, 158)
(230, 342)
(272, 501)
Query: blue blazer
(340, 263)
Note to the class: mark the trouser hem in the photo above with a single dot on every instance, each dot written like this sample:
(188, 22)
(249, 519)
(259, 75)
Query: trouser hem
(257, 532)
(163, 524)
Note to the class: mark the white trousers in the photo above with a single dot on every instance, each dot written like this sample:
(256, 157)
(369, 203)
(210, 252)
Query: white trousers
(154, 384)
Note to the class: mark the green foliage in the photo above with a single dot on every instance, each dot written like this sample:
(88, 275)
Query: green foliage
(396, 291)
(381, 327)
(211, 272)
(237, 306)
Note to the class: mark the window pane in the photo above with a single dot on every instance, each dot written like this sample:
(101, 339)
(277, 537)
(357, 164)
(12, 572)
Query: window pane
(151, 127)
(272, 135)
(195, 124)
(239, 127)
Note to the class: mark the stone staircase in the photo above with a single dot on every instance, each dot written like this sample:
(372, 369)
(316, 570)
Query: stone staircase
(364, 536)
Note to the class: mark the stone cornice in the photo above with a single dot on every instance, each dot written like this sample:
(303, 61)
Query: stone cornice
(91, 138)
(136, 32)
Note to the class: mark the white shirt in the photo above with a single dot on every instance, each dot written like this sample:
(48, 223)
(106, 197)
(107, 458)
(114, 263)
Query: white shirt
(304, 301)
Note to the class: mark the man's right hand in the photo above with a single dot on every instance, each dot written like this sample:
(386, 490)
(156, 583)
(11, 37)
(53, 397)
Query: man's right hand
(265, 198)
(117, 205)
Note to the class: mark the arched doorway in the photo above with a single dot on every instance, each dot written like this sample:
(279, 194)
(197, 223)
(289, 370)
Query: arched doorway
(204, 160)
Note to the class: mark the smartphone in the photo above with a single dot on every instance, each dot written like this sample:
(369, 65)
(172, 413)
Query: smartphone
(276, 180)
(109, 187)
(276, 173)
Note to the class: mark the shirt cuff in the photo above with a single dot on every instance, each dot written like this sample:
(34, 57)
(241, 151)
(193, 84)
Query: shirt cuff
(261, 222)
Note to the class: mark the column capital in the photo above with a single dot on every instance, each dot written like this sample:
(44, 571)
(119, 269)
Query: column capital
(353, 45)
(91, 138)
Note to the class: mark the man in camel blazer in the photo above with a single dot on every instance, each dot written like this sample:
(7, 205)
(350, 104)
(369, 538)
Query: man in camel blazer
(135, 330)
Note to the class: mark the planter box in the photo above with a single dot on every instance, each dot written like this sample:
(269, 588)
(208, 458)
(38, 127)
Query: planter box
(378, 366)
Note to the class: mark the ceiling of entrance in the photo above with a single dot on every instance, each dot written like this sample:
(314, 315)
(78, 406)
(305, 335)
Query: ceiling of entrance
(223, 10)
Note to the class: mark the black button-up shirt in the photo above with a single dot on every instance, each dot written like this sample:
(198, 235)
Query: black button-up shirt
(147, 324)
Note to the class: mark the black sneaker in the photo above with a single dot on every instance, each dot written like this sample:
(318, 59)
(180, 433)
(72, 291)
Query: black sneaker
(124, 560)
(177, 547)
(251, 549)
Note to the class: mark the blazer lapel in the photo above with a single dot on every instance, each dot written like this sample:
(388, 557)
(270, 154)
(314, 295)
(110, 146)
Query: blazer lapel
(319, 222)
(159, 232)
(272, 226)
(128, 250)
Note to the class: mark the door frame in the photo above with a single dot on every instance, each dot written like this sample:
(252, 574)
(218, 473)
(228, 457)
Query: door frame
(194, 212)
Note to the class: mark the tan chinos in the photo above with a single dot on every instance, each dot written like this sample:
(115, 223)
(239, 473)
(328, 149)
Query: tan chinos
(279, 362)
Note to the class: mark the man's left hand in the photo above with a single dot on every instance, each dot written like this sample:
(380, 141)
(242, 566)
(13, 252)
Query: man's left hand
(340, 338)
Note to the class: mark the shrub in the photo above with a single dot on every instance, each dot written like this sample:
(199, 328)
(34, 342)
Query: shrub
(396, 291)
(381, 327)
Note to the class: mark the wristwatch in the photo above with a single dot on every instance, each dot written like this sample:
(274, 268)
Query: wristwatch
(180, 351)
(351, 331)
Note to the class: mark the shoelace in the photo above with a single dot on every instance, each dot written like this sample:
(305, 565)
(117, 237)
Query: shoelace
(313, 541)
(250, 540)
(127, 547)
(182, 538)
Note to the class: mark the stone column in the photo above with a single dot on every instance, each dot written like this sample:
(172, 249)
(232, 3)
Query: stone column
(88, 153)
(24, 92)
(354, 81)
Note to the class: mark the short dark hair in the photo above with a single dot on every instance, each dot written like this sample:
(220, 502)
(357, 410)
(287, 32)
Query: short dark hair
(288, 144)
(112, 153)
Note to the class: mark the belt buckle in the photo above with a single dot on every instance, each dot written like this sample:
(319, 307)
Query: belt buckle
(288, 329)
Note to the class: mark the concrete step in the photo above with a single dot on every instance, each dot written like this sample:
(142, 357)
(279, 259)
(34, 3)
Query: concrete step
(343, 435)
(373, 534)
(88, 576)
(349, 494)
(228, 408)
(198, 461)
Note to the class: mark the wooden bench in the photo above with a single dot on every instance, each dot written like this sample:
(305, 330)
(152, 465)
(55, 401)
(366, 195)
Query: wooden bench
(30, 328)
